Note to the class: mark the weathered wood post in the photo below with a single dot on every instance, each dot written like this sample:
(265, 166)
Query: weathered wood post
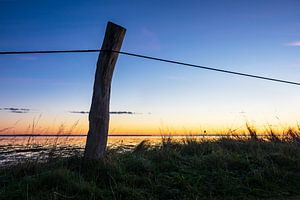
(99, 113)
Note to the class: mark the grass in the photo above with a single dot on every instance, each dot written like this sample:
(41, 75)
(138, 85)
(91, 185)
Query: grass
(226, 168)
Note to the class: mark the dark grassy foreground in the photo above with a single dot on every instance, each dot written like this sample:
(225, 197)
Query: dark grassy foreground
(221, 169)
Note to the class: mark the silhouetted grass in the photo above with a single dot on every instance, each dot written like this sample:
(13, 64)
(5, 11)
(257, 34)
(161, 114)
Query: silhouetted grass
(226, 168)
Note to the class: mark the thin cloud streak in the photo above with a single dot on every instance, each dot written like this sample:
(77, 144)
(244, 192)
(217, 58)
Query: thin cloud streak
(112, 113)
(294, 44)
(122, 113)
(16, 110)
(78, 112)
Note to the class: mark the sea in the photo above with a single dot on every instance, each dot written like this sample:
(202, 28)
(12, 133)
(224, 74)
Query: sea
(16, 149)
(19, 148)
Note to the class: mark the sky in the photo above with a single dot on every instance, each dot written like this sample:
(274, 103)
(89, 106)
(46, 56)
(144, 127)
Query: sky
(52, 93)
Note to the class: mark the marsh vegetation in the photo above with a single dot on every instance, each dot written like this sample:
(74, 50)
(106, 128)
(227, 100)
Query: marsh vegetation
(224, 168)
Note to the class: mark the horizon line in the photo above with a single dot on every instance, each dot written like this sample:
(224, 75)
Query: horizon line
(132, 135)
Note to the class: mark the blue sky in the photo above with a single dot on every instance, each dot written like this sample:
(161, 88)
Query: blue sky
(258, 37)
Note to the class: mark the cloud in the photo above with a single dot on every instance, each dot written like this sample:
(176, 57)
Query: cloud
(79, 112)
(16, 110)
(122, 113)
(112, 112)
(294, 44)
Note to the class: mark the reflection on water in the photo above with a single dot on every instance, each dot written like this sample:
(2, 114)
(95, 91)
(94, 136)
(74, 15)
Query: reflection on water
(14, 149)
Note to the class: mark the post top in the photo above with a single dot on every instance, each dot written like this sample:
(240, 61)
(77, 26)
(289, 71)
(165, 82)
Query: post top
(109, 23)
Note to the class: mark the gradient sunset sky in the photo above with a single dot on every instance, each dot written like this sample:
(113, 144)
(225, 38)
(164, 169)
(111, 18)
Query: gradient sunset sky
(53, 91)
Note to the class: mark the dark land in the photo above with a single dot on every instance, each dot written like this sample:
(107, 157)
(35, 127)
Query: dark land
(225, 168)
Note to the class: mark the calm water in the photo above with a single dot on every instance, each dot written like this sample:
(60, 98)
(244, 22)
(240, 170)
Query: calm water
(20, 148)
(15, 149)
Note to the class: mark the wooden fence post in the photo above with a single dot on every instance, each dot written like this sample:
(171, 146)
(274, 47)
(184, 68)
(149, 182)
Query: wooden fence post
(99, 113)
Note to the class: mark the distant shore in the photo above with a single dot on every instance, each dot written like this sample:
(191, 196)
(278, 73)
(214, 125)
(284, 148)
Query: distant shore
(135, 135)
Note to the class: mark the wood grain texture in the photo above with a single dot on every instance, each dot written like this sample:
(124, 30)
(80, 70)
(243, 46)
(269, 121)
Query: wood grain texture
(99, 113)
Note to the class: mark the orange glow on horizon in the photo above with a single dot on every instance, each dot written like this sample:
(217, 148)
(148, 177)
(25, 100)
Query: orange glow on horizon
(142, 124)
(138, 129)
